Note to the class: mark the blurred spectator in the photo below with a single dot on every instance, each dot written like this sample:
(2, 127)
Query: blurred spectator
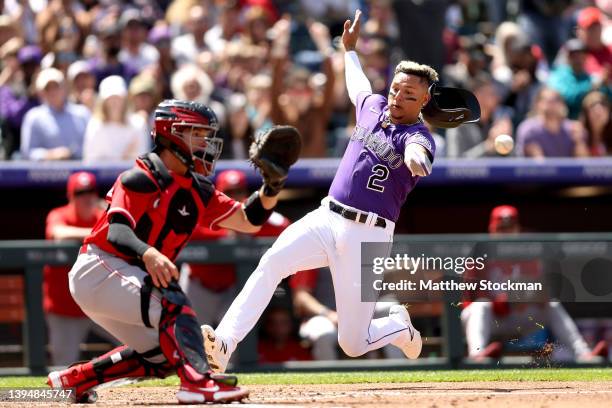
(165, 66)
(381, 21)
(144, 98)
(377, 65)
(110, 134)
(226, 28)
(186, 47)
(502, 320)
(278, 343)
(23, 15)
(571, 80)
(599, 55)
(505, 35)
(473, 140)
(257, 23)
(524, 60)
(191, 83)
(54, 130)
(300, 98)
(421, 30)
(62, 19)
(596, 117)
(61, 56)
(471, 62)
(135, 52)
(547, 23)
(17, 94)
(82, 84)
(548, 133)
(211, 288)
(68, 326)
(107, 63)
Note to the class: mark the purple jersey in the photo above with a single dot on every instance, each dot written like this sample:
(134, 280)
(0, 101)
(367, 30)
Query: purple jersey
(372, 175)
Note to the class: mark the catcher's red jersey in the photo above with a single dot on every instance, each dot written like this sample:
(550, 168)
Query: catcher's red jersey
(162, 217)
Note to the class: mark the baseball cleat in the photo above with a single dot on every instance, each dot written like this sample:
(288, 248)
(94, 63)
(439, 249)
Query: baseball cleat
(412, 344)
(214, 388)
(216, 350)
(73, 378)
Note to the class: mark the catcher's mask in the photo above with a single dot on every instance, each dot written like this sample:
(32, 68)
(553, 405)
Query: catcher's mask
(189, 130)
(450, 107)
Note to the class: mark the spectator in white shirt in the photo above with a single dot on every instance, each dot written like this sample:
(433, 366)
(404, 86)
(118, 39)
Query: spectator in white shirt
(53, 130)
(110, 134)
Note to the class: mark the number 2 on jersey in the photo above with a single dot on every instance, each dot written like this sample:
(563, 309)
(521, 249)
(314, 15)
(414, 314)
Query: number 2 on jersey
(379, 173)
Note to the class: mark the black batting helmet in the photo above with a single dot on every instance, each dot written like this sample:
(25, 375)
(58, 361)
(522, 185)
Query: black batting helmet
(450, 107)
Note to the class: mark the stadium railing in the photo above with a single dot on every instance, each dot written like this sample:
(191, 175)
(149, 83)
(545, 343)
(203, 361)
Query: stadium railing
(320, 172)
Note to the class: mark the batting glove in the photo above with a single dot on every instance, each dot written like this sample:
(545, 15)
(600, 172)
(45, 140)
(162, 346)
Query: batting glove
(417, 160)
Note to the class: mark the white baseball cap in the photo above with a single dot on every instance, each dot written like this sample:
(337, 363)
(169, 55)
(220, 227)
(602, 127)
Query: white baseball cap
(48, 75)
(113, 85)
(77, 68)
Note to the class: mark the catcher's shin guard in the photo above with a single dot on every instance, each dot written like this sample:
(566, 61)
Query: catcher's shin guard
(121, 363)
(180, 338)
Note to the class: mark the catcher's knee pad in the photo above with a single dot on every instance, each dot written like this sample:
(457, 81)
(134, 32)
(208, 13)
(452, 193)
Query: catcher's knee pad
(180, 338)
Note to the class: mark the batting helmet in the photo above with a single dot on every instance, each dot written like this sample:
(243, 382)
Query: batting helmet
(188, 129)
(450, 107)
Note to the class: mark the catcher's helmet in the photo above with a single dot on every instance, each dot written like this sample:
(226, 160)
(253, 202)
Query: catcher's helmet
(450, 107)
(188, 129)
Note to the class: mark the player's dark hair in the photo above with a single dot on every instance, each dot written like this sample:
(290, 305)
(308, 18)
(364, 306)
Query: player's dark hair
(421, 70)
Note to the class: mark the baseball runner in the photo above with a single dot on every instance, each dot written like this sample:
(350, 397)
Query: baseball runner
(124, 278)
(389, 151)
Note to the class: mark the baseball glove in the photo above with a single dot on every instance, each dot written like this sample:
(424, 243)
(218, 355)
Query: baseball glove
(273, 152)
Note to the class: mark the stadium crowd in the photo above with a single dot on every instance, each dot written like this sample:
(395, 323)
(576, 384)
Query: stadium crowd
(96, 69)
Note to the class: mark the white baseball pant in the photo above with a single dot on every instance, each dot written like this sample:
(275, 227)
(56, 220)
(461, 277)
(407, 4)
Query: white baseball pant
(321, 238)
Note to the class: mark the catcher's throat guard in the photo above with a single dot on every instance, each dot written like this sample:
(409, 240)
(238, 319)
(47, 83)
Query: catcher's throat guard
(451, 107)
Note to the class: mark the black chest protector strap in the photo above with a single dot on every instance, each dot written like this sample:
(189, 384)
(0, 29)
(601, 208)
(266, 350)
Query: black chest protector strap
(158, 170)
(204, 186)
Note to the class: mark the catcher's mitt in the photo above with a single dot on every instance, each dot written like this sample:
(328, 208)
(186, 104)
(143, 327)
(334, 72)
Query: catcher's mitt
(273, 151)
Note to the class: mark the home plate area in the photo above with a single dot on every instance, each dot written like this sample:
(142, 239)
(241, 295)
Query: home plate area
(511, 394)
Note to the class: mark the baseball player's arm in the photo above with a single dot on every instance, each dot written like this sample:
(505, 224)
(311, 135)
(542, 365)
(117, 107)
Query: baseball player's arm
(124, 239)
(417, 160)
(252, 214)
(356, 81)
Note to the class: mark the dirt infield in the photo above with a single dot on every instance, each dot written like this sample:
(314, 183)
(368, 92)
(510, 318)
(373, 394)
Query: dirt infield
(457, 394)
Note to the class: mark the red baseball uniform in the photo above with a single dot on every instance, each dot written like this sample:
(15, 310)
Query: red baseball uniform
(162, 217)
(56, 295)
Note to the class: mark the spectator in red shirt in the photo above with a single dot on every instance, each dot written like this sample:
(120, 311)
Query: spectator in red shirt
(68, 326)
(211, 287)
(599, 58)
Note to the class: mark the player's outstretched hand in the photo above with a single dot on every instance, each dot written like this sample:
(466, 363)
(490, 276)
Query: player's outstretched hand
(350, 35)
(161, 269)
(417, 160)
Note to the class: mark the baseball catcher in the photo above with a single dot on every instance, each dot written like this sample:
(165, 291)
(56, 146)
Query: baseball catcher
(124, 278)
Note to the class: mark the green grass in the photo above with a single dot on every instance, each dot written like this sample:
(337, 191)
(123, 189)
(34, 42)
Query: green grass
(539, 374)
